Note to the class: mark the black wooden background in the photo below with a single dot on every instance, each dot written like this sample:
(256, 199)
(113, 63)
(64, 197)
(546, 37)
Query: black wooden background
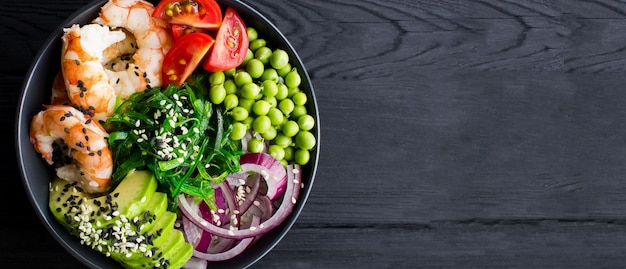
(455, 133)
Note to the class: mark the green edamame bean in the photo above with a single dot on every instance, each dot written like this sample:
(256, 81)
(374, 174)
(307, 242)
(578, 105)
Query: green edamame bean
(217, 93)
(217, 78)
(255, 68)
(269, 88)
(302, 156)
(250, 90)
(297, 112)
(238, 132)
(261, 124)
(293, 79)
(282, 140)
(231, 101)
(270, 74)
(290, 128)
(286, 106)
(306, 122)
(255, 145)
(282, 92)
(285, 70)
(261, 107)
(271, 100)
(230, 72)
(242, 78)
(292, 91)
(276, 116)
(279, 58)
(270, 134)
(246, 103)
(305, 140)
(289, 152)
(249, 56)
(276, 151)
(230, 86)
(263, 54)
(252, 34)
(239, 113)
(299, 98)
(248, 122)
(256, 44)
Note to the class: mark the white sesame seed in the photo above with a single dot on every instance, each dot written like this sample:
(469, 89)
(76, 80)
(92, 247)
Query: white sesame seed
(231, 233)
(93, 183)
(252, 228)
(293, 200)
(256, 203)
(295, 171)
(162, 102)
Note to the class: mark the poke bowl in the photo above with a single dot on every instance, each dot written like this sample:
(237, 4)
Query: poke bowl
(245, 243)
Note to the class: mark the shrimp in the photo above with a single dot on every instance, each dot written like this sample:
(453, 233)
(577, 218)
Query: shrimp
(86, 143)
(118, 54)
(59, 94)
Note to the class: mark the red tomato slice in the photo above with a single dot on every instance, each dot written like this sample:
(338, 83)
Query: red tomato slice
(184, 57)
(196, 13)
(179, 30)
(231, 43)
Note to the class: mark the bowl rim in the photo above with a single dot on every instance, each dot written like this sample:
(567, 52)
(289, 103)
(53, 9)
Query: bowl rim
(22, 134)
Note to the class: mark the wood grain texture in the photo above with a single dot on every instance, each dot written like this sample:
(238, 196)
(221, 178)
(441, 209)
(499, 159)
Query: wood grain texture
(454, 134)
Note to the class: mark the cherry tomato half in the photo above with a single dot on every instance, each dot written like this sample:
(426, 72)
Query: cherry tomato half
(184, 57)
(231, 43)
(196, 13)
(179, 30)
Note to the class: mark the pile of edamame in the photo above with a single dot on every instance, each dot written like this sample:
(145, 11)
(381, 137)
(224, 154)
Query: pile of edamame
(263, 97)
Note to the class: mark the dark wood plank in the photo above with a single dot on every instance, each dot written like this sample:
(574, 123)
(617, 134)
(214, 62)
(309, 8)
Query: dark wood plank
(473, 134)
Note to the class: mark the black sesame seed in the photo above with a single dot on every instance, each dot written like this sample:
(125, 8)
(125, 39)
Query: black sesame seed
(77, 62)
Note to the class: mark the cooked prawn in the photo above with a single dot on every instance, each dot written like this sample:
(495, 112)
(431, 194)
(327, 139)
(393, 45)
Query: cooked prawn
(119, 54)
(59, 94)
(85, 139)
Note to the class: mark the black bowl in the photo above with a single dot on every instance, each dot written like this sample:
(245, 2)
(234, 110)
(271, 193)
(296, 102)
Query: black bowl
(36, 174)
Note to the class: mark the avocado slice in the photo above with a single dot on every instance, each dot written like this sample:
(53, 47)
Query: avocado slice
(73, 207)
(134, 211)
(155, 237)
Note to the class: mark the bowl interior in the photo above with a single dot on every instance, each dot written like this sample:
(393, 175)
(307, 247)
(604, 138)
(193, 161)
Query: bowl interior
(36, 174)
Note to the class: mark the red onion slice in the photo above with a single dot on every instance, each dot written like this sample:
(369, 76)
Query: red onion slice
(286, 206)
(195, 263)
(236, 250)
(269, 168)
